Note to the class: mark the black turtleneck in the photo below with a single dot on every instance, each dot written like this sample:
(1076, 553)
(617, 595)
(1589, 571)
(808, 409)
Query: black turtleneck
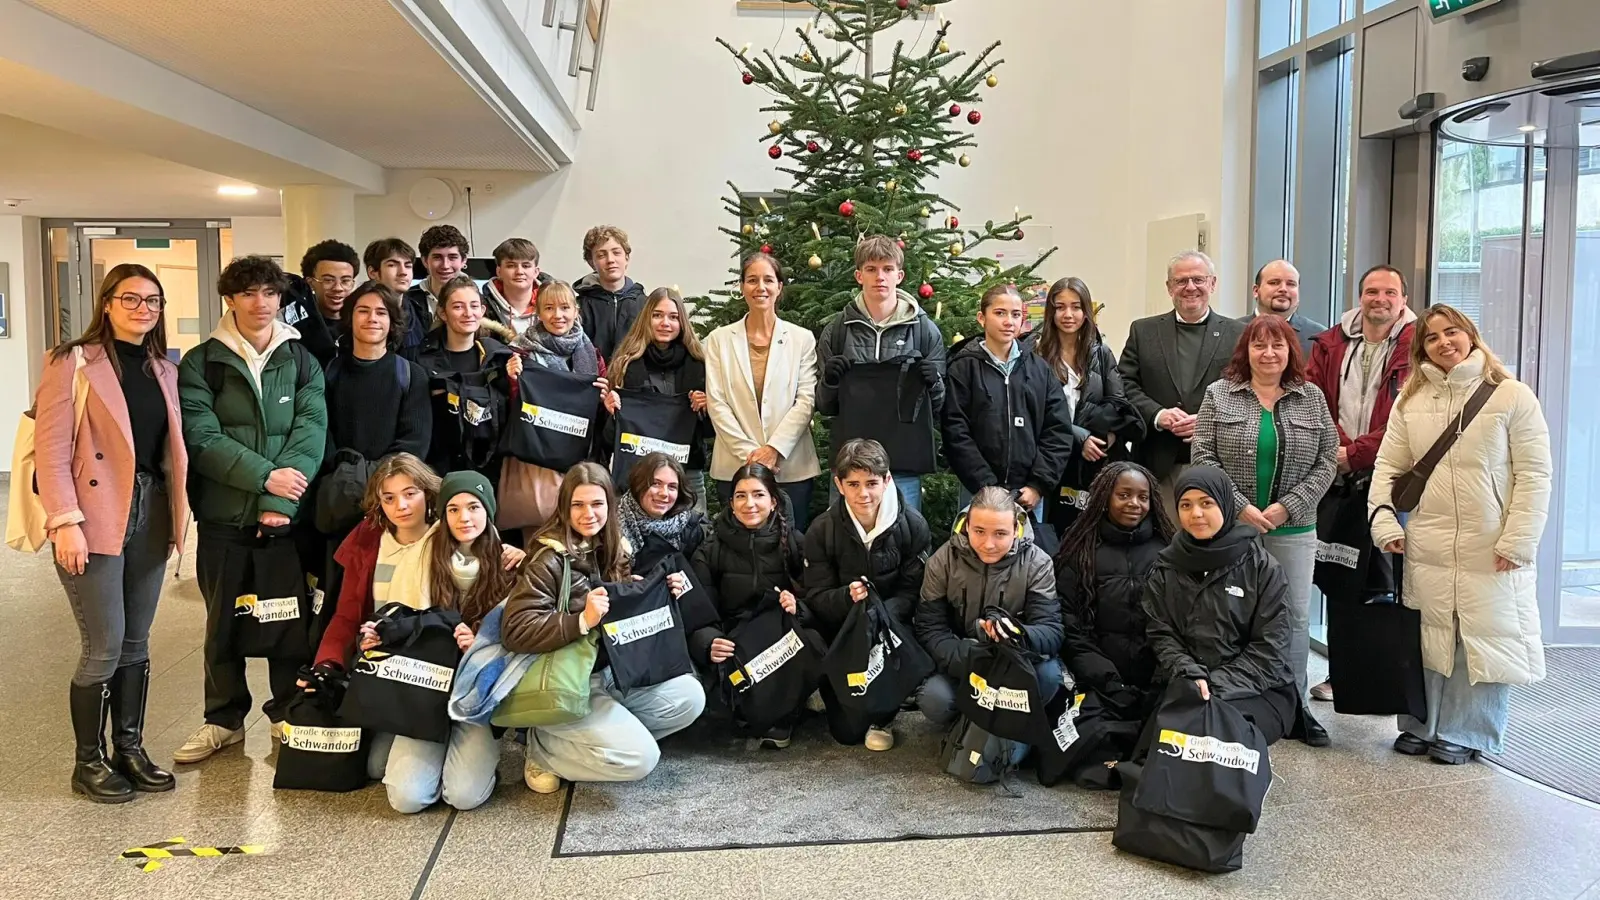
(147, 407)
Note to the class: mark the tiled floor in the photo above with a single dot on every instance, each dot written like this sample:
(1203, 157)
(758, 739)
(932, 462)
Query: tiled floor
(1353, 822)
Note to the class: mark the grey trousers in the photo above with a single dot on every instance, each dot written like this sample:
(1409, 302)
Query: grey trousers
(1297, 554)
(114, 600)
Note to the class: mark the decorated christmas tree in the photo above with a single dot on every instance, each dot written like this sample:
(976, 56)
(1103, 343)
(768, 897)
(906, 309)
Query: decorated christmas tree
(863, 136)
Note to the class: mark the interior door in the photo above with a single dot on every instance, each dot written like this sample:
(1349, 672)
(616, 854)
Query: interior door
(185, 260)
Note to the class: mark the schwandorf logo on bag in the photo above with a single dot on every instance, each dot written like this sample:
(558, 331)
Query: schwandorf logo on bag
(1204, 749)
(771, 659)
(555, 420)
(406, 670)
(633, 628)
(860, 681)
(1066, 730)
(318, 739)
(1338, 554)
(270, 609)
(1009, 699)
(639, 445)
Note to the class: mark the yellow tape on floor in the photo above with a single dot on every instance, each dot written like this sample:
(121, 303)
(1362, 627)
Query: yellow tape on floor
(148, 859)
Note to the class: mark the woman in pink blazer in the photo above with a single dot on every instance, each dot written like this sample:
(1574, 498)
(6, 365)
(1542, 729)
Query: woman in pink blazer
(112, 486)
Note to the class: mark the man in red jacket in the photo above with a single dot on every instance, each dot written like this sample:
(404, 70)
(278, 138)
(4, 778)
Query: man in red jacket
(1360, 364)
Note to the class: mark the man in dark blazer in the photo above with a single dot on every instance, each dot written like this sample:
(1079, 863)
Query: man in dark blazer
(1169, 360)
(1277, 293)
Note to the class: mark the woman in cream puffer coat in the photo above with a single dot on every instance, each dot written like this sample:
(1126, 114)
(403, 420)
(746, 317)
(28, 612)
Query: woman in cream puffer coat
(1470, 545)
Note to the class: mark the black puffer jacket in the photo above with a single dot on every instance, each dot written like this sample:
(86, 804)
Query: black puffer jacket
(607, 316)
(1229, 626)
(835, 556)
(740, 567)
(1103, 408)
(957, 585)
(1105, 631)
(983, 440)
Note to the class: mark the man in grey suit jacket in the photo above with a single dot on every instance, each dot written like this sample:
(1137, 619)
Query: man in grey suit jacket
(1169, 360)
(1277, 293)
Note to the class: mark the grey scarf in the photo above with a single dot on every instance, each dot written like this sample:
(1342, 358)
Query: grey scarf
(571, 352)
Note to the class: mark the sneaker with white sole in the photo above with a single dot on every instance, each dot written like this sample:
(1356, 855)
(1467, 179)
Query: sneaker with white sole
(538, 780)
(206, 741)
(1323, 692)
(879, 739)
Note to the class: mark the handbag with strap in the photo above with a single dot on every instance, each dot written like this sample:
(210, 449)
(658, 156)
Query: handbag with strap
(555, 689)
(320, 751)
(1406, 492)
(874, 664)
(402, 686)
(643, 633)
(1002, 694)
(775, 667)
(1375, 651)
(25, 515)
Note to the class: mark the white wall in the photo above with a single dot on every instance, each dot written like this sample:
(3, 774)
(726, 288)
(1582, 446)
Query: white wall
(260, 236)
(15, 366)
(1108, 116)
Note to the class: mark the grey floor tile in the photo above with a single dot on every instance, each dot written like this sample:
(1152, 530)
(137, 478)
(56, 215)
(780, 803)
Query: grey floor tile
(658, 876)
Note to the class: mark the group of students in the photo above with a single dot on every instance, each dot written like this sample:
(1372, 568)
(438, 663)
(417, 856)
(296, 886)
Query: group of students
(361, 421)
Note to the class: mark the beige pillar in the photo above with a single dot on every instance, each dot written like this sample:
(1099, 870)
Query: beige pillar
(313, 213)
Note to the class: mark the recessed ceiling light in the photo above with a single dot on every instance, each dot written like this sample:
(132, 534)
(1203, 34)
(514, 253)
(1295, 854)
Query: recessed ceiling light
(237, 190)
(1526, 129)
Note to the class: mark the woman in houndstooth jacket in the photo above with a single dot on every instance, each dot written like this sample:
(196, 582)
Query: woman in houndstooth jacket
(1270, 430)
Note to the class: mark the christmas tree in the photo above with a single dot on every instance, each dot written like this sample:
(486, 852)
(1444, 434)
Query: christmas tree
(863, 143)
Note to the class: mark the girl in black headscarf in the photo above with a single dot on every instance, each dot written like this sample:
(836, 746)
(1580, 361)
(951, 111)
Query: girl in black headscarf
(1218, 607)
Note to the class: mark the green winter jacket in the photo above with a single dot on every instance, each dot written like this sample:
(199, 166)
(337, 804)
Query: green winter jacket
(237, 434)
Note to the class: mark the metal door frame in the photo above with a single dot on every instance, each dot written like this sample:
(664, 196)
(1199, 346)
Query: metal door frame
(80, 262)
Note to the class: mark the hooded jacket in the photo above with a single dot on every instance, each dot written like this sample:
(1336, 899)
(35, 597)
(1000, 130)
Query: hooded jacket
(496, 305)
(607, 316)
(957, 585)
(1006, 429)
(1334, 357)
(533, 621)
(1111, 645)
(1229, 626)
(266, 412)
(837, 553)
(1488, 497)
(740, 567)
(300, 310)
(445, 453)
(853, 335)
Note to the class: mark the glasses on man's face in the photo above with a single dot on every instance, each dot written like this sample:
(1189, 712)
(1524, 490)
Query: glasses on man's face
(1196, 280)
(133, 301)
(329, 282)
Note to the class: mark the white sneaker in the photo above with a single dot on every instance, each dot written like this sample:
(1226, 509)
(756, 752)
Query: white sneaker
(206, 741)
(879, 739)
(1323, 692)
(277, 733)
(538, 780)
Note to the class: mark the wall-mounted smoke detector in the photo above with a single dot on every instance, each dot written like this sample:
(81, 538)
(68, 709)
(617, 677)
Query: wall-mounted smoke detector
(14, 202)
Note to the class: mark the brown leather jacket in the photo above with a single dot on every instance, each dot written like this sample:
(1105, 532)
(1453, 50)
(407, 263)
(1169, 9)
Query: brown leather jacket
(533, 622)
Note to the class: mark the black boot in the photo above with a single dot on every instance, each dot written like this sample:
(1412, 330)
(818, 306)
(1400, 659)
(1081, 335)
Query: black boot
(1311, 731)
(130, 690)
(92, 776)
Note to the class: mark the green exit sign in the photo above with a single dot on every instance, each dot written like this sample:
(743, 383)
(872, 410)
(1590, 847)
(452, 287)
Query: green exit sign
(1447, 9)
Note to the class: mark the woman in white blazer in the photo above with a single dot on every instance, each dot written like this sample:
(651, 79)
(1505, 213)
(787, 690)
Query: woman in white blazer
(761, 383)
(1471, 543)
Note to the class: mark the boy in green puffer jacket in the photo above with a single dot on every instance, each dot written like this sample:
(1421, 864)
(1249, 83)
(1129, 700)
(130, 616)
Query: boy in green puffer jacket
(255, 426)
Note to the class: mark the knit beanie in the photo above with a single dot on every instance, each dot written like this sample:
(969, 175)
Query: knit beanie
(467, 482)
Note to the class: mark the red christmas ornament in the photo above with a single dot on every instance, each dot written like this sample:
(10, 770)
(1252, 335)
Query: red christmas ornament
(955, 110)
(774, 151)
(749, 79)
(813, 146)
(767, 249)
(974, 117)
(914, 155)
(926, 291)
(903, 4)
(955, 222)
(1017, 235)
(900, 242)
(847, 209)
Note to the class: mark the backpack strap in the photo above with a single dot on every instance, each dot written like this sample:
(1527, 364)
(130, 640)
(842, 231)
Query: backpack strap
(402, 372)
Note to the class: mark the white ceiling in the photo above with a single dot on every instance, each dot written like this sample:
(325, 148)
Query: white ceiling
(63, 174)
(354, 73)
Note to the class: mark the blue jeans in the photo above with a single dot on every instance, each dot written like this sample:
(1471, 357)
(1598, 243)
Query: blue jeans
(616, 741)
(910, 487)
(418, 773)
(1472, 715)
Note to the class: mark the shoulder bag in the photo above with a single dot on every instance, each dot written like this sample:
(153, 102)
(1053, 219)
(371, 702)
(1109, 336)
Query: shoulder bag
(555, 689)
(1406, 492)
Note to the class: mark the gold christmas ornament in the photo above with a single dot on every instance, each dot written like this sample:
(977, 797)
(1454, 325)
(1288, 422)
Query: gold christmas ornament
(964, 161)
(748, 228)
(805, 57)
(775, 127)
(955, 249)
(992, 81)
(899, 109)
(944, 46)
(815, 261)
(925, 212)
(891, 185)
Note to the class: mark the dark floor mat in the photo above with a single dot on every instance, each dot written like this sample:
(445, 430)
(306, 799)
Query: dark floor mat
(715, 792)
(1551, 738)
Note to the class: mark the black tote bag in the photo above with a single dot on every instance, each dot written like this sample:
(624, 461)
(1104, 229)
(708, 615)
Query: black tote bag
(1168, 840)
(554, 421)
(647, 422)
(889, 403)
(477, 407)
(1085, 734)
(402, 686)
(695, 604)
(775, 667)
(1349, 567)
(643, 633)
(1375, 655)
(320, 752)
(272, 604)
(1002, 694)
(874, 664)
(1208, 765)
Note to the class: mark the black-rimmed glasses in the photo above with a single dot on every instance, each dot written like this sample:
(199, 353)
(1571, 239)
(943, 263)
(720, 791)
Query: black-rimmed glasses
(133, 301)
